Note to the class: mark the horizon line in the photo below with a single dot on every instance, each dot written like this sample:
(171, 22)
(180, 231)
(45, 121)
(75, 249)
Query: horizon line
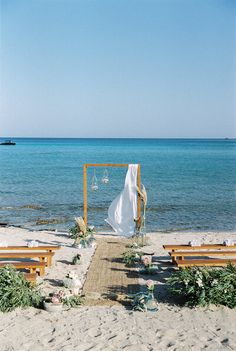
(151, 138)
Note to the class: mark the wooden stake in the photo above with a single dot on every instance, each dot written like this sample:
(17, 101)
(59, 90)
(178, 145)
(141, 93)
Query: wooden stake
(139, 186)
(85, 195)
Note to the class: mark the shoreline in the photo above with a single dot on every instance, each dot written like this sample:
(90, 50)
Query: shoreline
(108, 231)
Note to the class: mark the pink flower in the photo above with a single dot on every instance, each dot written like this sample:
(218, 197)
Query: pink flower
(56, 300)
(147, 260)
(150, 284)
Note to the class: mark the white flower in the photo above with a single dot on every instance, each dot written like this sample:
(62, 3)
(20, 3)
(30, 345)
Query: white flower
(214, 282)
(199, 282)
(228, 242)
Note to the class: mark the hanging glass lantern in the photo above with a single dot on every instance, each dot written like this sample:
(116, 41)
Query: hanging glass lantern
(105, 177)
(94, 185)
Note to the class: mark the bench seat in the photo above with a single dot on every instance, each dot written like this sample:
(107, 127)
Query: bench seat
(32, 266)
(49, 248)
(201, 262)
(42, 256)
(182, 254)
(201, 247)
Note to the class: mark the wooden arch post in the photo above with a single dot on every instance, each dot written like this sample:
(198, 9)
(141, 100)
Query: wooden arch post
(107, 165)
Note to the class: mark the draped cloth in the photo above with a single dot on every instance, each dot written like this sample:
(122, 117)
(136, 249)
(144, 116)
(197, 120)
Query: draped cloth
(123, 209)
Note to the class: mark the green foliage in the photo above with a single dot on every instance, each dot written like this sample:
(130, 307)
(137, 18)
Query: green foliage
(73, 301)
(204, 286)
(74, 232)
(131, 257)
(16, 291)
(149, 270)
(91, 229)
(133, 246)
(139, 301)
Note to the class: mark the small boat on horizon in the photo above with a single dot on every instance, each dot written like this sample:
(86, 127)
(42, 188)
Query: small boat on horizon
(8, 142)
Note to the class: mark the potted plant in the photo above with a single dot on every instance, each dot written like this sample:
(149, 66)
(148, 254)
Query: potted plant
(57, 300)
(54, 302)
(76, 259)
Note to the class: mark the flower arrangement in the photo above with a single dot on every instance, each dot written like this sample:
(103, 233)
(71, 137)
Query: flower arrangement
(72, 281)
(203, 286)
(55, 301)
(76, 259)
(145, 301)
(133, 246)
(228, 242)
(83, 235)
(150, 285)
(131, 257)
(148, 266)
(55, 298)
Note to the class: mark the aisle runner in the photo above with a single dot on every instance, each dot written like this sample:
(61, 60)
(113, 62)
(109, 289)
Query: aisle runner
(107, 275)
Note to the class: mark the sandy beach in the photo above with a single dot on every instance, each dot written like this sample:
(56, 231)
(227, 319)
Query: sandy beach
(114, 328)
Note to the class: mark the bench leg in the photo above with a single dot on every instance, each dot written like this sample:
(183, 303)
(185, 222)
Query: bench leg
(49, 261)
(43, 259)
(41, 271)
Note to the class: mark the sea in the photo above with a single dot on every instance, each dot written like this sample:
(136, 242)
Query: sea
(191, 183)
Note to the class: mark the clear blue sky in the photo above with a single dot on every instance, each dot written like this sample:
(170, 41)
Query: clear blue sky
(124, 68)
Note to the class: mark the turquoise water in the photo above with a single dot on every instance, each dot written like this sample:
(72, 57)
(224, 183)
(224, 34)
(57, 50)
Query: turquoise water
(190, 183)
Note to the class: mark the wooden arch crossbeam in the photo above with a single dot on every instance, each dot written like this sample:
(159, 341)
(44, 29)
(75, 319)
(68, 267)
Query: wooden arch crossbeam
(107, 165)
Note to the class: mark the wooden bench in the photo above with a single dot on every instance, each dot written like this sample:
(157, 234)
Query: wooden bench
(203, 247)
(31, 265)
(206, 248)
(47, 248)
(182, 254)
(211, 262)
(42, 256)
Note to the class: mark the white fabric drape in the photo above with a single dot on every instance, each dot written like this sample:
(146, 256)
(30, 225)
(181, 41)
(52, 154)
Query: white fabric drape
(123, 210)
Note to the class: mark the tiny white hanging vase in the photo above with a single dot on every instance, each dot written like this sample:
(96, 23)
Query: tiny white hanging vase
(94, 185)
(105, 178)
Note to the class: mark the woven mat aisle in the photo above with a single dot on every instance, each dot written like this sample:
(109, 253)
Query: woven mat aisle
(107, 275)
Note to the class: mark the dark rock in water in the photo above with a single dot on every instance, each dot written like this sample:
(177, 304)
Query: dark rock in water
(33, 207)
(49, 221)
(3, 224)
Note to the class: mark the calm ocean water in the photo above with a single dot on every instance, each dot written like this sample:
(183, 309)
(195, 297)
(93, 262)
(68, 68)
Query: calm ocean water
(190, 183)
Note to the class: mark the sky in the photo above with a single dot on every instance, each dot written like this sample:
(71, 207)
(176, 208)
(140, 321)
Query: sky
(124, 68)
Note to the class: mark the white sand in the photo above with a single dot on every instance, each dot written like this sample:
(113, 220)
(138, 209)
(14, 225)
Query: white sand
(114, 329)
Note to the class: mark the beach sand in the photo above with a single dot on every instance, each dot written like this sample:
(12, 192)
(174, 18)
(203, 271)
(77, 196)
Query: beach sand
(116, 328)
